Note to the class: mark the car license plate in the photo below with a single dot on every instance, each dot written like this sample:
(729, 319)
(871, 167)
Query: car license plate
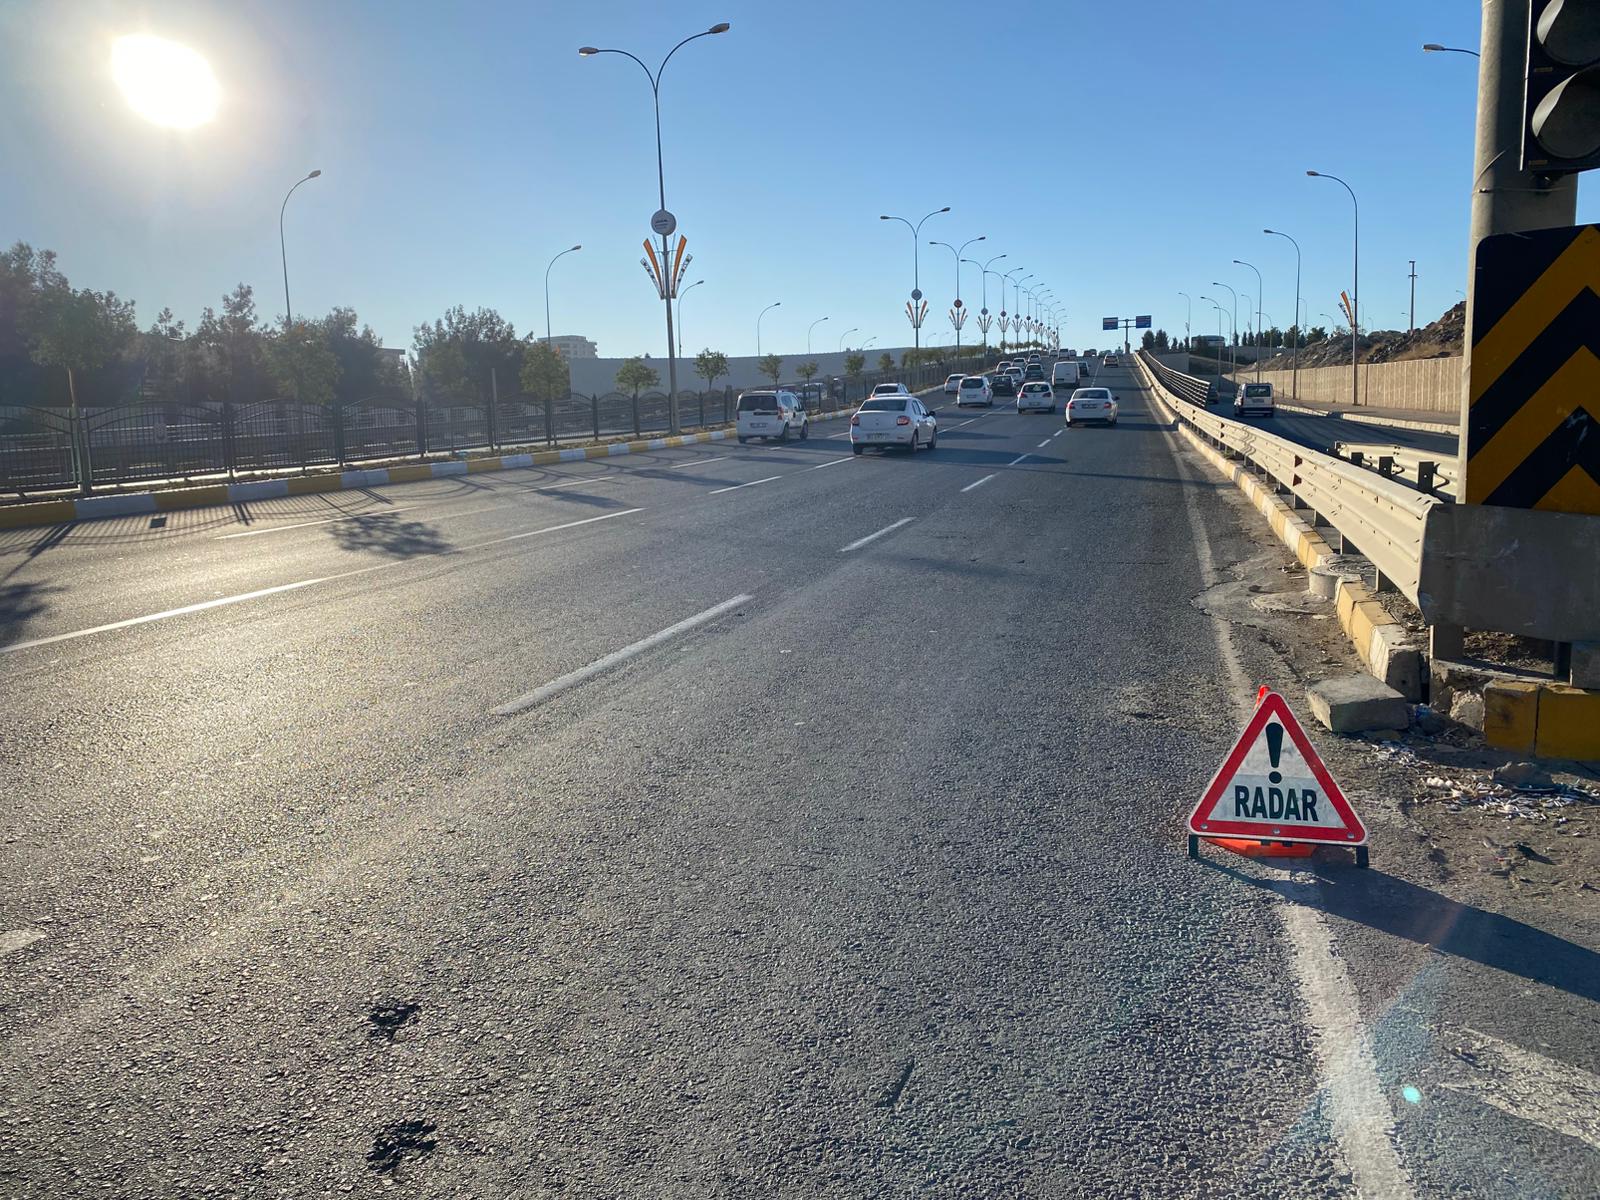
(877, 437)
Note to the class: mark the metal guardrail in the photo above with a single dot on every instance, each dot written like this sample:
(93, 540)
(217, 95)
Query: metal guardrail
(1426, 471)
(1376, 516)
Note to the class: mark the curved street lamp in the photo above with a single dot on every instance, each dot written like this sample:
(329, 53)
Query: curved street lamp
(1355, 286)
(1239, 262)
(1188, 316)
(1294, 385)
(661, 187)
(845, 334)
(809, 328)
(681, 295)
(958, 253)
(916, 266)
(283, 253)
(1435, 48)
(759, 315)
(1224, 341)
(1233, 320)
(548, 265)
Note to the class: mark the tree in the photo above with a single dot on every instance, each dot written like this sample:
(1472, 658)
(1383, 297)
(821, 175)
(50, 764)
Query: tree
(363, 369)
(1148, 341)
(635, 375)
(28, 277)
(806, 370)
(460, 353)
(80, 331)
(771, 365)
(1163, 342)
(229, 348)
(854, 364)
(302, 364)
(711, 365)
(545, 376)
(885, 362)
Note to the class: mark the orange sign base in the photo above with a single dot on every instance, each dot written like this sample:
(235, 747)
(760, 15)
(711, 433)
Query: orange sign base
(1254, 848)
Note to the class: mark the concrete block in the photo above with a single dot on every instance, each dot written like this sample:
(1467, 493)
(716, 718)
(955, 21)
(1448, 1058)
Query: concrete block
(1569, 723)
(1397, 660)
(1356, 703)
(1585, 665)
(1510, 715)
(1467, 708)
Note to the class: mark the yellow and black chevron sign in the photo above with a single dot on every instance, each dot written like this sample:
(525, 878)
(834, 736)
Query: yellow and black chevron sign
(1533, 425)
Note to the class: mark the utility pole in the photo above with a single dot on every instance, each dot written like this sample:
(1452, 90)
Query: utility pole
(1413, 296)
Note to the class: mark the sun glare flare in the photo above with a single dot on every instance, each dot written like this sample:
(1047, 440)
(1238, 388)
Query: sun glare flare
(164, 82)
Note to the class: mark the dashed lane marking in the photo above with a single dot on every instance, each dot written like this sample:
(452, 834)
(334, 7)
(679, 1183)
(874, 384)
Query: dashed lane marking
(979, 483)
(544, 692)
(834, 463)
(699, 462)
(737, 486)
(872, 537)
(1016, 460)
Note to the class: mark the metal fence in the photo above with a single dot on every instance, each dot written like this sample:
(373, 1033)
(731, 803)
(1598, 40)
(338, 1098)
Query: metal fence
(45, 448)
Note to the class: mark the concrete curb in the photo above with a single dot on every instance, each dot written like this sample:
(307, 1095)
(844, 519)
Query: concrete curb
(123, 504)
(1365, 419)
(1387, 649)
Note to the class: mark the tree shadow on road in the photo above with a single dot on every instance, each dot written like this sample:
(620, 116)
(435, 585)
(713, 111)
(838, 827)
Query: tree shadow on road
(387, 536)
(1407, 910)
(19, 604)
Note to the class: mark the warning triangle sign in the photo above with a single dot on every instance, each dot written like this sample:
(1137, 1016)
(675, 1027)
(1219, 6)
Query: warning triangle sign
(1273, 785)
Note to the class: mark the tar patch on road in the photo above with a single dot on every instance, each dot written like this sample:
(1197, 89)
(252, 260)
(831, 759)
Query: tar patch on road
(402, 1142)
(891, 1097)
(386, 1019)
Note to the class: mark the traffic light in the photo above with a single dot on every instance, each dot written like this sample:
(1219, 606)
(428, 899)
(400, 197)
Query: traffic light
(1561, 88)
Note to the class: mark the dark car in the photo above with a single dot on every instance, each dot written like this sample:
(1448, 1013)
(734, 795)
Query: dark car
(1003, 385)
(1032, 373)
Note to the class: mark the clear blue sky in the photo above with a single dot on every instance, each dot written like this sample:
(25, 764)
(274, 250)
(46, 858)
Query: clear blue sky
(1122, 153)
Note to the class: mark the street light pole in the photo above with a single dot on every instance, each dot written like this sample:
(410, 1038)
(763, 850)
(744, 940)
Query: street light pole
(1435, 48)
(1355, 287)
(1259, 285)
(759, 315)
(809, 328)
(1005, 279)
(1233, 323)
(1218, 307)
(548, 265)
(916, 266)
(670, 223)
(1412, 319)
(1294, 386)
(283, 253)
(984, 312)
(1188, 315)
(958, 254)
(845, 334)
(681, 295)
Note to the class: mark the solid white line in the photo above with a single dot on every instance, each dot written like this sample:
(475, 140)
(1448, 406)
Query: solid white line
(626, 512)
(978, 484)
(1016, 460)
(699, 462)
(737, 486)
(555, 686)
(834, 463)
(223, 601)
(872, 537)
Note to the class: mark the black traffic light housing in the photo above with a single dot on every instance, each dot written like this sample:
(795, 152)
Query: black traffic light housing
(1561, 88)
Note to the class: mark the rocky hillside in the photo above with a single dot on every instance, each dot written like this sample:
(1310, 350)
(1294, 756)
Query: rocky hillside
(1439, 339)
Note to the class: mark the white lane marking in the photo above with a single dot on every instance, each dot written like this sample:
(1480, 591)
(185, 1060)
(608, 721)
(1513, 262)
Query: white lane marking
(737, 486)
(517, 537)
(12, 940)
(224, 601)
(571, 678)
(872, 537)
(1044, 443)
(1016, 460)
(1363, 1123)
(1531, 1087)
(968, 421)
(834, 463)
(839, 435)
(699, 462)
(1058, 432)
(550, 487)
(978, 484)
(308, 524)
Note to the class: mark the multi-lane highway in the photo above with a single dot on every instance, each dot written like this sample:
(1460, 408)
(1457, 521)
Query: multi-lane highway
(723, 821)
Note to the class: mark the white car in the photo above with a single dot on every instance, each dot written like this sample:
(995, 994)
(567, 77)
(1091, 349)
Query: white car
(1091, 404)
(1254, 398)
(902, 421)
(891, 389)
(952, 384)
(974, 389)
(1016, 375)
(771, 414)
(1065, 374)
(1111, 360)
(1036, 395)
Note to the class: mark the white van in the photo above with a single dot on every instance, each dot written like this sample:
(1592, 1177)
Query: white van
(771, 414)
(1065, 374)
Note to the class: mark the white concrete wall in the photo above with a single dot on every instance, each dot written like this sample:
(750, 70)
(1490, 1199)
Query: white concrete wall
(1420, 385)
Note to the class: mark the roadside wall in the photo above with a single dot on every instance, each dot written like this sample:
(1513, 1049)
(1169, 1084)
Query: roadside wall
(1423, 384)
(591, 375)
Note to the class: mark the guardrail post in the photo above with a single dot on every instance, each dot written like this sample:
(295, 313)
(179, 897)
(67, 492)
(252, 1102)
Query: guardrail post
(1426, 471)
(1358, 458)
(1385, 464)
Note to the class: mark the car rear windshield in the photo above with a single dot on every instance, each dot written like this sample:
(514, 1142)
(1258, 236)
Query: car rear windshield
(884, 404)
(1258, 389)
(1091, 394)
(887, 389)
(1037, 387)
(758, 402)
(972, 381)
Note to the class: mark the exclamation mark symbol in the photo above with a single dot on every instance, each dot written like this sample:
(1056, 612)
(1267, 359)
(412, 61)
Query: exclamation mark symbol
(1274, 750)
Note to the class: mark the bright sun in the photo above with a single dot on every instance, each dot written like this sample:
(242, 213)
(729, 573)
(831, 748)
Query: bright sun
(164, 81)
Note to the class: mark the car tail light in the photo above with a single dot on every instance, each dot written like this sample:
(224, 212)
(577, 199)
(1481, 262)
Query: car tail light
(854, 420)
(902, 420)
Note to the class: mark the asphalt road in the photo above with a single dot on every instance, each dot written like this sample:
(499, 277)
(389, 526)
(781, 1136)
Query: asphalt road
(727, 821)
(1322, 432)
